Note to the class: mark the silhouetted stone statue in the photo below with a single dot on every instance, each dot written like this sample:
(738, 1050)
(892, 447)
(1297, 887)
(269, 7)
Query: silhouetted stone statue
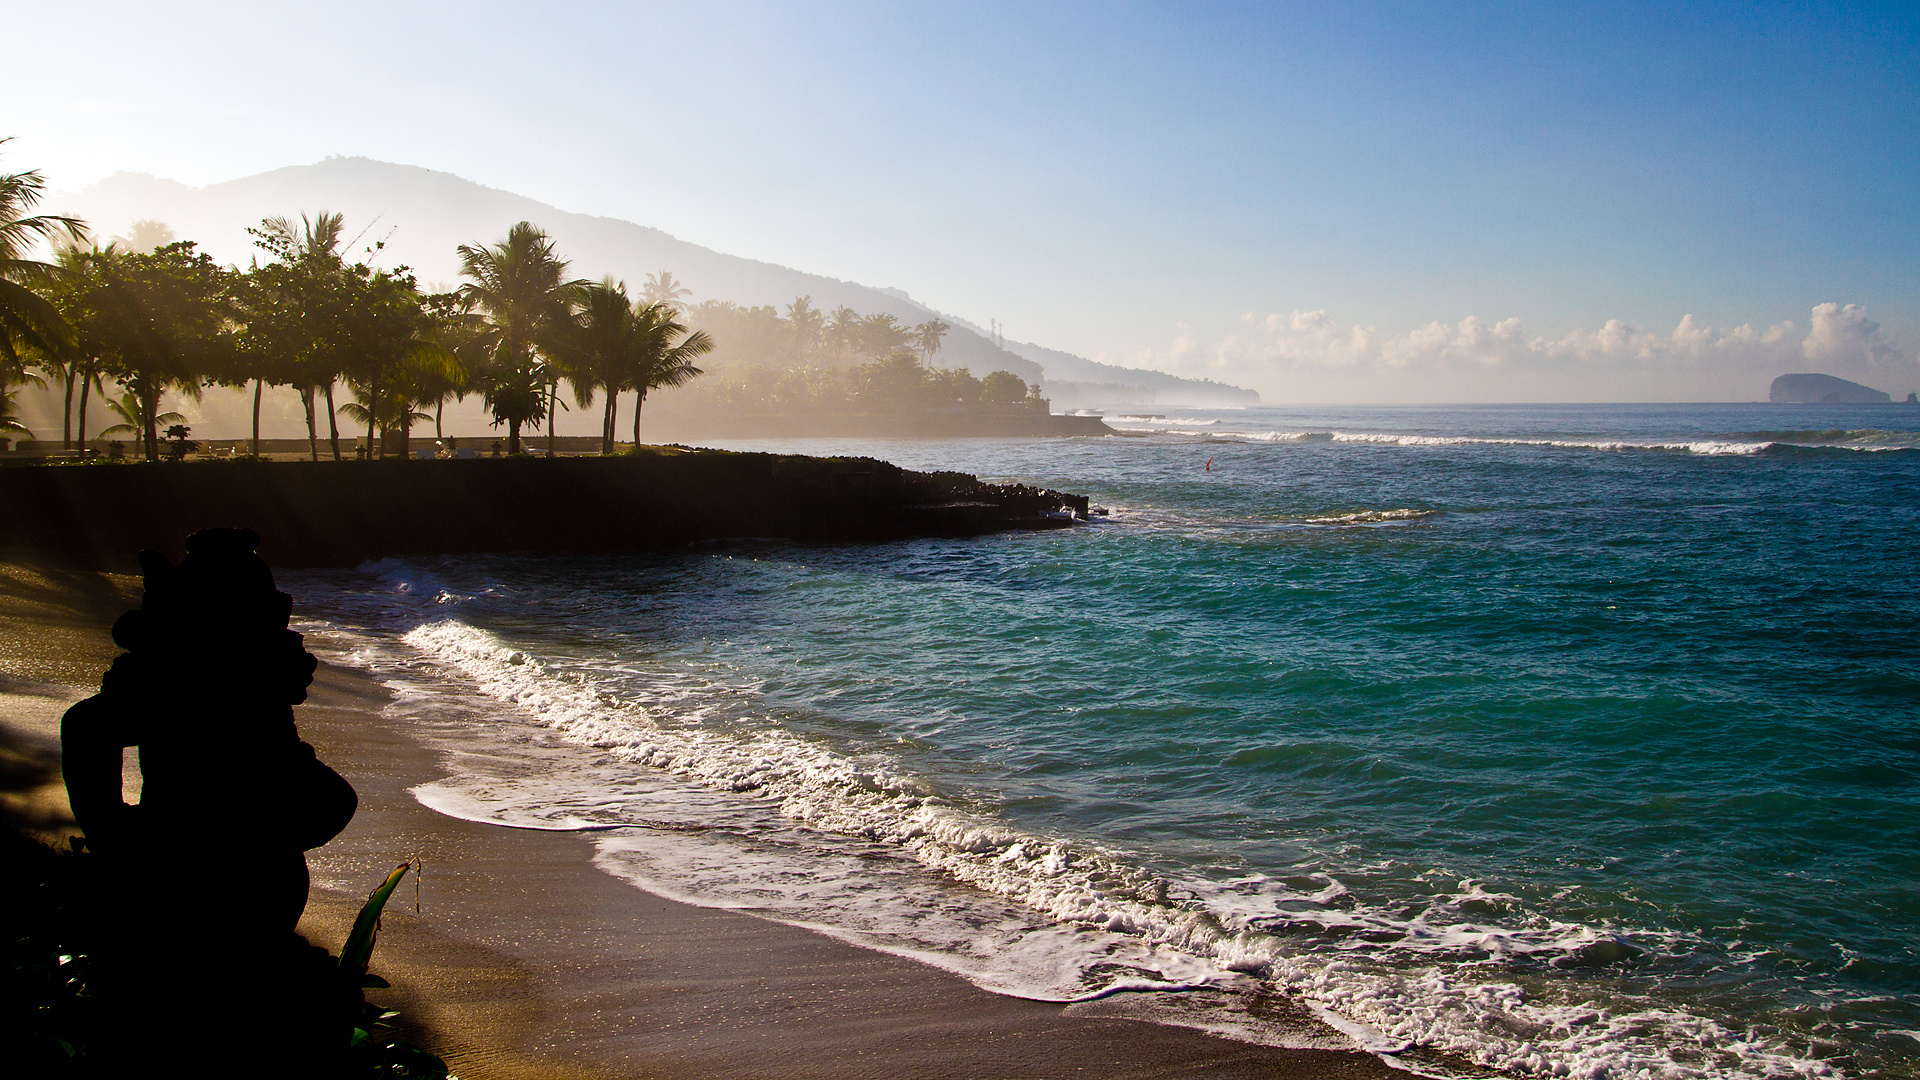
(206, 876)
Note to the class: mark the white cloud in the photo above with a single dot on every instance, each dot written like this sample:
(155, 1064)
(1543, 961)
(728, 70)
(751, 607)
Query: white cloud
(1308, 355)
(1843, 337)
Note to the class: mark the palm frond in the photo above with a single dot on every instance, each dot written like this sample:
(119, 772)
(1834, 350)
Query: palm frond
(19, 230)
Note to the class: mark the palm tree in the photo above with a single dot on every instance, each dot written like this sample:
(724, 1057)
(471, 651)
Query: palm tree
(662, 362)
(661, 288)
(132, 409)
(26, 318)
(91, 379)
(145, 235)
(456, 329)
(28, 322)
(9, 419)
(843, 331)
(880, 334)
(809, 323)
(927, 337)
(395, 413)
(521, 286)
(601, 343)
(317, 237)
(417, 369)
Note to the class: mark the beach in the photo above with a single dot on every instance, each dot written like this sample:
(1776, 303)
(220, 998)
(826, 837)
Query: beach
(525, 960)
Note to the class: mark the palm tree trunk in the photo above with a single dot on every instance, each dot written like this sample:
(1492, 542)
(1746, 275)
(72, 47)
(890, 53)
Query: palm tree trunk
(333, 423)
(607, 422)
(513, 437)
(439, 408)
(552, 388)
(150, 409)
(256, 418)
(313, 427)
(373, 413)
(637, 405)
(81, 435)
(66, 417)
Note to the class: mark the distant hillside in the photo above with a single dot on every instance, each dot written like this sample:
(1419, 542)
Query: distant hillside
(1823, 390)
(423, 215)
(1162, 388)
(1076, 382)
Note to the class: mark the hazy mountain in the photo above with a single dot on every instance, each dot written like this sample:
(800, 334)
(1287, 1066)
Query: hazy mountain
(1162, 388)
(422, 215)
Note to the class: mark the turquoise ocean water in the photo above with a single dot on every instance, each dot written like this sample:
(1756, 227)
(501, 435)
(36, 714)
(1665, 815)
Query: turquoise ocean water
(1551, 740)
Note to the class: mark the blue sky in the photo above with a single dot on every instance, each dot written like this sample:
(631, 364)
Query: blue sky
(1287, 196)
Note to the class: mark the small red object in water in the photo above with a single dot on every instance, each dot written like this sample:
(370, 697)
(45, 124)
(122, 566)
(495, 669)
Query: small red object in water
(1209, 464)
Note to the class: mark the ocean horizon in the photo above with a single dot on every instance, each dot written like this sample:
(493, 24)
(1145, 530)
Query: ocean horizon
(1546, 740)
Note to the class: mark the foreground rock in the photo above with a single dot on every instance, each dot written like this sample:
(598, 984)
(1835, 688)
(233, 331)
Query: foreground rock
(343, 513)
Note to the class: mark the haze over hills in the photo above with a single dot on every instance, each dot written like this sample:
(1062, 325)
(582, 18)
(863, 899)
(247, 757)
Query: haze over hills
(422, 215)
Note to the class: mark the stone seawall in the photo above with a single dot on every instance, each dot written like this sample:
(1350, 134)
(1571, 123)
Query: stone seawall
(343, 513)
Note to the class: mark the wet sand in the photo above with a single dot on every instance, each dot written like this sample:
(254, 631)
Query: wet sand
(525, 961)
(54, 644)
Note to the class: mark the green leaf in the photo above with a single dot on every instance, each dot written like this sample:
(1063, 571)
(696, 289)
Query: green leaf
(359, 947)
(374, 982)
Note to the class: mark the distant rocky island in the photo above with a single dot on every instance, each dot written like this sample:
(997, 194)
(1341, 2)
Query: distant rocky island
(1823, 390)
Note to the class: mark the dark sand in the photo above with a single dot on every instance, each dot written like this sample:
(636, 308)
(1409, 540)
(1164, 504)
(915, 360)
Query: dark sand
(528, 962)
(54, 645)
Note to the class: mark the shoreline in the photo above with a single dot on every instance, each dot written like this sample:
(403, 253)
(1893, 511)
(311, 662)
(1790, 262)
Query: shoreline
(528, 961)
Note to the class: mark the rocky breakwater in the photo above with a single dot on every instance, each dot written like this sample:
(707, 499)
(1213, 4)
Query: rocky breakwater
(342, 513)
